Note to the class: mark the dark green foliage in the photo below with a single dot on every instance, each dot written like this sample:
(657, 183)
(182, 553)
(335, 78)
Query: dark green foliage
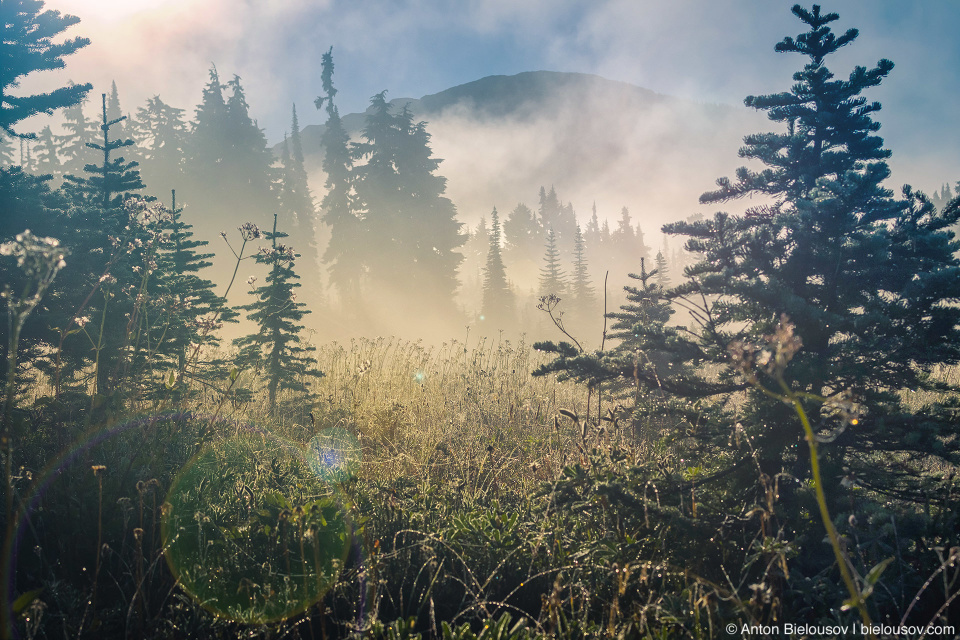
(26, 46)
(862, 275)
(179, 324)
(869, 281)
(113, 178)
(28, 202)
(113, 270)
(277, 351)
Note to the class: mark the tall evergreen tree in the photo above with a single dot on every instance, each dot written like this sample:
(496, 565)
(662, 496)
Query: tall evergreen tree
(606, 237)
(410, 225)
(662, 271)
(584, 294)
(7, 149)
(865, 279)
(249, 160)
(79, 132)
(624, 235)
(549, 211)
(114, 112)
(342, 255)
(558, 216)
(47, 160)
(498, 304)
(102, 218)
(477, 247)
(297, 204)
(552, 279)
(185, 310)
(277, 349)
(522, 235)
(209, 134)
(161, 134)
(591, 234)
(114, 176)
(26, 46)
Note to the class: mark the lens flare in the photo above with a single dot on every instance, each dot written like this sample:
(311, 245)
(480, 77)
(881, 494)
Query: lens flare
(334, 455)
(250, 533)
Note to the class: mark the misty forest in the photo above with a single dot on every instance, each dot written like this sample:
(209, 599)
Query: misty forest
(295, 391)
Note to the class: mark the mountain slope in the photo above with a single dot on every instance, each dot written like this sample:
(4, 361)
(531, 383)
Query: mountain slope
(594, 139)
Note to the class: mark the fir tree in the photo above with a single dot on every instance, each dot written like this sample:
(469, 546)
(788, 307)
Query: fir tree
(558, 216)
(863, 277)
(248, 163)
(522, 234)
(277, 350)
(498, 303)
(410, 226)
(342, 254)
(161, 135)
(662, 271)
(114, 177)
(79, 132)
(552, 279)
(47, 160)
(297, 203)
(209, 135)
(606, 237)
(644, 350)
(549, 212)
(624, 234)
(477, 247)
(943, 197)
(186, 309)
(27, 46)
(103, 218)
(591, 234)
(584, 294)
(114, 112)
(7, 149)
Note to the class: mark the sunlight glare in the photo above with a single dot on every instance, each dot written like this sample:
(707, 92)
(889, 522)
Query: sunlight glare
(106, 10)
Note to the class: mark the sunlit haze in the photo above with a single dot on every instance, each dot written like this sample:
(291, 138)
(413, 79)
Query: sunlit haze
(702, 53)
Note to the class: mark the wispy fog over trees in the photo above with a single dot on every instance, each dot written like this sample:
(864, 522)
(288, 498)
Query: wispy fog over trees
(747, 423)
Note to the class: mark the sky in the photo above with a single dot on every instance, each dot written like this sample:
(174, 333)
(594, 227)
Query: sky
(710, 51)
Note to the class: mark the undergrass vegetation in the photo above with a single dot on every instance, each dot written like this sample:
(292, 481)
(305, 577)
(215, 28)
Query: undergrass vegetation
(433, 492)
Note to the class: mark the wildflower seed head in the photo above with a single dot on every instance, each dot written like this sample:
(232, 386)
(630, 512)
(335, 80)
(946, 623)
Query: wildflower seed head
(249, 231)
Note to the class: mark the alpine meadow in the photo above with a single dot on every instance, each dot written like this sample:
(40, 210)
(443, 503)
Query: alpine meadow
(479, 364)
